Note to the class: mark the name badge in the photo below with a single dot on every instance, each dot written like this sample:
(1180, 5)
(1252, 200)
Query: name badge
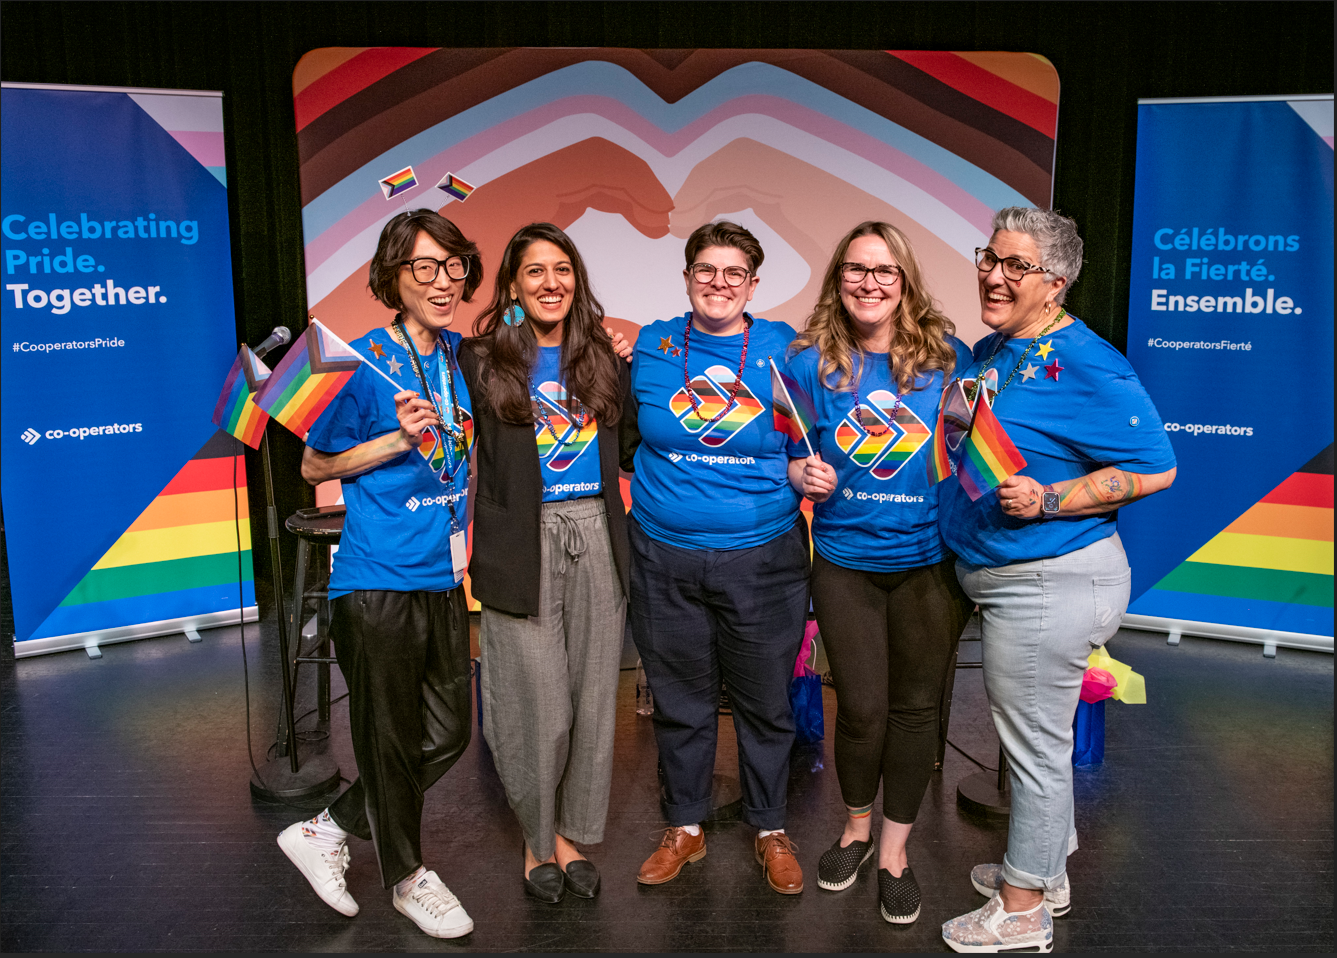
(458, 559)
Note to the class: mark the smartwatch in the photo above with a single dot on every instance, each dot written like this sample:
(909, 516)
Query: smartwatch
(1049, 504)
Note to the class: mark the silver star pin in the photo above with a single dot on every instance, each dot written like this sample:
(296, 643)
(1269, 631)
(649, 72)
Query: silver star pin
(396, 365)
(1029, 372)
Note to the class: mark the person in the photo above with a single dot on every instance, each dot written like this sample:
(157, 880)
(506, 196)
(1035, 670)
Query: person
(399, 620)
(1041, 556)
(550, 561)
(872, 360)
(719, 585)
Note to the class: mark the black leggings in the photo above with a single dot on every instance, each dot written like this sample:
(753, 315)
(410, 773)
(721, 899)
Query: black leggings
(889, 637)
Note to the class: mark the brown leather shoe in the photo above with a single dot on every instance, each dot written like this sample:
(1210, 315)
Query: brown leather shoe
(677, 849)
(776, 854)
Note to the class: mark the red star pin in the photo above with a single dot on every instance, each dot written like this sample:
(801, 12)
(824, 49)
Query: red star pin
(1052, 370)
(377, 350)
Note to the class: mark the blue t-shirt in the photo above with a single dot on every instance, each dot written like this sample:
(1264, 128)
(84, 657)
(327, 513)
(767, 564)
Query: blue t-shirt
(570, 462)
(720, 486)
(396, 536)
(1074, 407)
(883, 516)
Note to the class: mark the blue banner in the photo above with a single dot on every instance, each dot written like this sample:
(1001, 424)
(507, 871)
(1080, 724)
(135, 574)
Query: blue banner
(117, 314)
(1230, 328)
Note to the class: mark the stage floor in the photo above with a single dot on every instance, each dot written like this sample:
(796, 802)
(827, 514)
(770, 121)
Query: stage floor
(127, 823)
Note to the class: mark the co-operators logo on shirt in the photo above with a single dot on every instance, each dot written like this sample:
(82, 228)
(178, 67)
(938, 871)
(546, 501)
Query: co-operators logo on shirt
(553, 403)
(883, 455)
(712, 394)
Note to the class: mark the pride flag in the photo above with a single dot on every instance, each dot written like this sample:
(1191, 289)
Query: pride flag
(307, 380)
(397, 183)
(954, 416)
(452, 185)
(794, 411)
(987, 456)
(236, 412)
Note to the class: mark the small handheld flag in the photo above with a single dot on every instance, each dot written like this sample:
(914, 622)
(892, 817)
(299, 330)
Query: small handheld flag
(794, 412)
(452, 185)
(953, 425)
(309, 377)
(236, 412)
(988, 455)
(400, 182)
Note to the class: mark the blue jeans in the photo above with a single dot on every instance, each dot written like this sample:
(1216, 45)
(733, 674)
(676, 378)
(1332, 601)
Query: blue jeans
(1041, 620)
(702, 616)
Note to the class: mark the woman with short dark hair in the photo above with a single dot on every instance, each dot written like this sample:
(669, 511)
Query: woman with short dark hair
(400, 623)
(550, 559)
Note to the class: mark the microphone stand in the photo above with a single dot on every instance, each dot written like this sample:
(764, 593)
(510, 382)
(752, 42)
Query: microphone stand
(284, 779)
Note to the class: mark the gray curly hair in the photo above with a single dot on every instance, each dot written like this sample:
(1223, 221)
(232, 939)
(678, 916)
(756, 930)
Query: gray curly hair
(1055, 236)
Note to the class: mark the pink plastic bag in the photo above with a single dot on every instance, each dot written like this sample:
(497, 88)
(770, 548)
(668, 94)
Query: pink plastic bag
(1097, 685)
(807, 652)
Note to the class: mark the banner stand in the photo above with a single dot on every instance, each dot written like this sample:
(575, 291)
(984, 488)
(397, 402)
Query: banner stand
(129, 633)
(1230, 633)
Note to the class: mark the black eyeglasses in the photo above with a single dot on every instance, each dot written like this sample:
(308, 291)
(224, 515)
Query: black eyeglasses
(855, 273)
(425, 268)
(1013, 268)
(704, 273)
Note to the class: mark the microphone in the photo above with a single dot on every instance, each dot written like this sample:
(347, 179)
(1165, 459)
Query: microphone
(280, 336)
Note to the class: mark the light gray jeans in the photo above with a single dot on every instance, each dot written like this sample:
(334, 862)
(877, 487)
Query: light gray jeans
(550, 682)
(1041, 620)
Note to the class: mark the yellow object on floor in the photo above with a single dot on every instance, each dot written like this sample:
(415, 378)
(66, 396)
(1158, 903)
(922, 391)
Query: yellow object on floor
(1132, 688)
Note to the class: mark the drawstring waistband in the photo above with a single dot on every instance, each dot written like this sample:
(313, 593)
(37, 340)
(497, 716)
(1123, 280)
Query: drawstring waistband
(567, 516)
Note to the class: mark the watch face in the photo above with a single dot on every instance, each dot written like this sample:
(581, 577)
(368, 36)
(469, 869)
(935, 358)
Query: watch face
(1049, 503)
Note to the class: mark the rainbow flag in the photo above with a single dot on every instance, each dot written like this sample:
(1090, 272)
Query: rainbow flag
(793, 408)
(307, 380)
(952, 428)
(452, 185)
(236, 412)
(400, 182)
(987, 456)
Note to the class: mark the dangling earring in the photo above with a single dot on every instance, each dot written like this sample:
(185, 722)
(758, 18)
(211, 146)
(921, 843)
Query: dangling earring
(514, 315)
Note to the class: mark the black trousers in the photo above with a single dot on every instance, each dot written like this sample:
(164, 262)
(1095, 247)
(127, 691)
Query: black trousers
(889, 637)
(405, 657)
(699, 617)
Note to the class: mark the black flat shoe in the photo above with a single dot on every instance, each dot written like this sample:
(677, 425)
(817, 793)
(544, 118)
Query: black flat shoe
(545, 883)
(582, 878)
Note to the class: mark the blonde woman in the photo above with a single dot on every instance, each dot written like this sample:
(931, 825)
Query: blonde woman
(873, 360)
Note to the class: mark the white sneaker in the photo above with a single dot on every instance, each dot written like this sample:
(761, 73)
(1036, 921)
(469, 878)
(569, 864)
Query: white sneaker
(323, 869)
(987, 879)
(430, 905)
(991, 929)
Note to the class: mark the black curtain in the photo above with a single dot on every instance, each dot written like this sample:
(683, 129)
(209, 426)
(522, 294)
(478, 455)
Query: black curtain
(1107, 56)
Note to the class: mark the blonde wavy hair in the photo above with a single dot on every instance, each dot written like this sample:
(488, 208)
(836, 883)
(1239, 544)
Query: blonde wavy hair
(919, 328)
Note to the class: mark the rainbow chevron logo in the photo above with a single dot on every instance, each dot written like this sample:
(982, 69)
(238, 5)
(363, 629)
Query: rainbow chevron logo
(712, 392)
(554, 402)
(882, 455)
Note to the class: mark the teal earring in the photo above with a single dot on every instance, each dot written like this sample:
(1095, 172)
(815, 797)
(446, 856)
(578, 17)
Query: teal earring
(514, 315)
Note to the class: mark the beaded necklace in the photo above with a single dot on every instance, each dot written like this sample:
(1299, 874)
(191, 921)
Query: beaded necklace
(858, 410)
(979, 376)
(738, 376)
(579, 419)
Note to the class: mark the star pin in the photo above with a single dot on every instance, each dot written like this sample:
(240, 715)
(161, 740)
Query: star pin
(677, 351)
(377, 349)
(1052, 370)
(1045, 349)
(665, 344)
(395, 366)
(1029, 372)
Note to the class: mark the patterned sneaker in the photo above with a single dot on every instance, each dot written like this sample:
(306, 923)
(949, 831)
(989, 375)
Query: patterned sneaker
(838, 867)
(430, 905)
(323, 869)
(898, 898)
(987, 879)
(992, 929)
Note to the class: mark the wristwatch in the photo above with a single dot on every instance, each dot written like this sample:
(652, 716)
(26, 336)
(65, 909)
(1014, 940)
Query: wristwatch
(1048, 504)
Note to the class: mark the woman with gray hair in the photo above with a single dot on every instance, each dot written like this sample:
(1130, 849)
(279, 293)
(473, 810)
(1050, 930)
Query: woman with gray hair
(1041, 556)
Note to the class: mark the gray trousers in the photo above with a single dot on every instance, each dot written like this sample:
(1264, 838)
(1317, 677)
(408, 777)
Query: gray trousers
(550, 682)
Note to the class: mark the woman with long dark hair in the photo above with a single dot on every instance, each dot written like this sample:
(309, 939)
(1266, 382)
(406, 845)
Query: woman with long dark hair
(550, 560)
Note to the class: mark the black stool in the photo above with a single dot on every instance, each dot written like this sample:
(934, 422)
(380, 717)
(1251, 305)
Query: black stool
(316, 530)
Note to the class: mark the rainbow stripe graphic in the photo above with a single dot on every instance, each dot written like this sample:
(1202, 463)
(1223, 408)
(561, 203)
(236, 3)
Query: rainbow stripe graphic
(793, 410)
(236, 412)
(177, 557)
(1272, 567)
(452, 185)
(988, 456)
(712, 396)
(400, 182)
(885, 454)
(307, 380)
(560, 457)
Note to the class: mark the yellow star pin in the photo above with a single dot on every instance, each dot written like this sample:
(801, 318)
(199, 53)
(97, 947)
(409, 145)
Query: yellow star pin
(1045, 349)
(665, 344)
(377, 349)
